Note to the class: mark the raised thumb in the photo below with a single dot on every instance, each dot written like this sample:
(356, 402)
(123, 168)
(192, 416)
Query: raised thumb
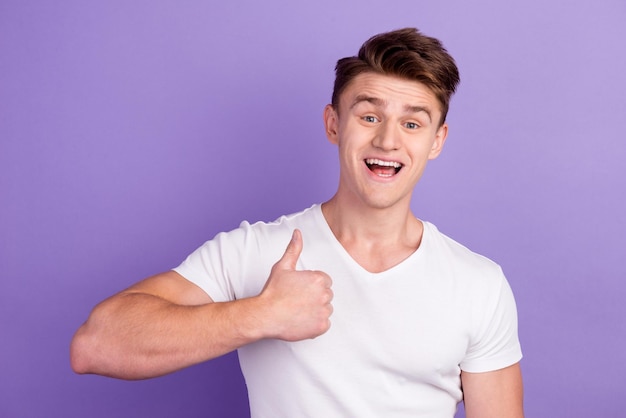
(292, 252)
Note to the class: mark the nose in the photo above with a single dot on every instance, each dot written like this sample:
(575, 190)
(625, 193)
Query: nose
(387, 137)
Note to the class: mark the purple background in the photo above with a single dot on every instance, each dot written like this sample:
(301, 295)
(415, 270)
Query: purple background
(131, 132)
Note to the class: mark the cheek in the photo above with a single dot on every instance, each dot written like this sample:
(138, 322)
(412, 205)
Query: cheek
(419, 145)
(346, 153)
(348, 156)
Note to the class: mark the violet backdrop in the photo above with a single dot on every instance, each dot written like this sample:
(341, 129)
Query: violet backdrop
(131, 132)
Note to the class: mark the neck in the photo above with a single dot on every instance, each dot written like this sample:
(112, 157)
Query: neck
(377, 238)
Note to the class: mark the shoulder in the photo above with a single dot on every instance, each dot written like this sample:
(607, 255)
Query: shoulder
(265, 235)
(455, 252)
(236, 263)
(284, 225)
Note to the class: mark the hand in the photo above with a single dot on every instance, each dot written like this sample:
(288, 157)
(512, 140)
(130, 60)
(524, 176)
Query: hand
(297, 302)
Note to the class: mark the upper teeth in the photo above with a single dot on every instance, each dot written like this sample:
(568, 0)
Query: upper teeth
(393, 164)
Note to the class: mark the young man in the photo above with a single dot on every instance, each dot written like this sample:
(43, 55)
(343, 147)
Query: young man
(418, 321)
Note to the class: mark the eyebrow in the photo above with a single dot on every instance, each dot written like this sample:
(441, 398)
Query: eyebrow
(378, 102)
(363, 98)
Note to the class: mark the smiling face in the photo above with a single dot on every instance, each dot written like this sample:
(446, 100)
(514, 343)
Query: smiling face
(386, 129)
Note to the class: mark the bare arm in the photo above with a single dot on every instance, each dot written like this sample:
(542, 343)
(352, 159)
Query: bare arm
(166, 323)
(497, 394)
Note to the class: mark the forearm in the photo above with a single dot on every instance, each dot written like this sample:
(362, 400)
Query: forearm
(136, 335)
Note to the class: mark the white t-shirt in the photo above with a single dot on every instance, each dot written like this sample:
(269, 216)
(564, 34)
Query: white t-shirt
(398, 339)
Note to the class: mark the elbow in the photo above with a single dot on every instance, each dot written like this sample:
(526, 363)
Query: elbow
(89, 348)
(89, 354)
(80, 353)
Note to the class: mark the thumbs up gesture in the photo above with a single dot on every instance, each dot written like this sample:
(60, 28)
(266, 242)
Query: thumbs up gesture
(297, 302)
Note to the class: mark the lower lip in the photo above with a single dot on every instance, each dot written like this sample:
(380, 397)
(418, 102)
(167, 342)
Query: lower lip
(378, 177)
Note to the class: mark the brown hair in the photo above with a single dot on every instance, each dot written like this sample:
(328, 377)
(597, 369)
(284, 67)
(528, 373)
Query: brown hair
(404, 53)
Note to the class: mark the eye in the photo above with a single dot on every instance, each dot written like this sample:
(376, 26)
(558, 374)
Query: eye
(370, 119)
(411, 125)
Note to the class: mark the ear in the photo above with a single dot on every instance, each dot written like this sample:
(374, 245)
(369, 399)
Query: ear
(440, 139)
(331, 123)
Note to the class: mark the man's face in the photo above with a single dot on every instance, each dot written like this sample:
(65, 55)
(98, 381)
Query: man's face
(386, 129)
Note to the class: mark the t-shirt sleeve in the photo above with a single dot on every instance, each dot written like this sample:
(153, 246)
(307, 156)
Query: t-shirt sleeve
(205, 268)
(217, 266)
(235, 264)
(494, 343)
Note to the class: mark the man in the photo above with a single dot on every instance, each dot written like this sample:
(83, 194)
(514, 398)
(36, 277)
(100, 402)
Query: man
(418, 321)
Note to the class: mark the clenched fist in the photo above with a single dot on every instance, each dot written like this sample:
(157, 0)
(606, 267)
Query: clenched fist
(297, 303)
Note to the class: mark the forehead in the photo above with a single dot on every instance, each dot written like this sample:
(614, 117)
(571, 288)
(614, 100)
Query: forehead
(389, 90)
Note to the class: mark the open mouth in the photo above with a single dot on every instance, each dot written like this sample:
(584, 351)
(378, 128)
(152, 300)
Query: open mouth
(383, 168)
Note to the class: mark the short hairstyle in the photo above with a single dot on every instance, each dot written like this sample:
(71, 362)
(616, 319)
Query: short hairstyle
(403, 53)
